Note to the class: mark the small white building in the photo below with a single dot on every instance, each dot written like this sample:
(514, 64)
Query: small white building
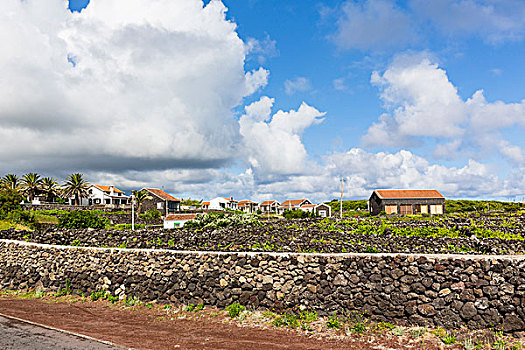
(177, 220)
(222, 203)
(323, 210)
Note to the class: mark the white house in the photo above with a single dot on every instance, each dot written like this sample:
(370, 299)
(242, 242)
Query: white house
(248, 206)
(294, 204)
(269, 206)
(103, 195)
(177, 220)
(221, 203)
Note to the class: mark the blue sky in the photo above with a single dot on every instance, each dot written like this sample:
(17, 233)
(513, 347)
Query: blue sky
(397, 94)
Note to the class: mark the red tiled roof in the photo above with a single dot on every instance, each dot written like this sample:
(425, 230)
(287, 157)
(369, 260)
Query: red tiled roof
(205, 203)
(107, 188)
(161, 194)
(230, 199)
(308, 206)
(246, 202)
(269, 202)
(398, 194)
(173, 217)
(292, 202)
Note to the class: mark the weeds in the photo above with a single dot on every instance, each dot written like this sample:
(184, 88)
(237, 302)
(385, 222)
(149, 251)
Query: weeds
(235, 309)
(333, 321)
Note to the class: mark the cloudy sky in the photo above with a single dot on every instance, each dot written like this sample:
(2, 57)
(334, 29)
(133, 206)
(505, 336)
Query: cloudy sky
(267, 99)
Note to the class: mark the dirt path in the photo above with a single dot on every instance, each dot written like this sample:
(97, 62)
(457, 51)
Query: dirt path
(143, 328)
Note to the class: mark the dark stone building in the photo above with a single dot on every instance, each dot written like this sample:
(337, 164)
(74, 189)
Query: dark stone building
(406, 202)
(161, 201)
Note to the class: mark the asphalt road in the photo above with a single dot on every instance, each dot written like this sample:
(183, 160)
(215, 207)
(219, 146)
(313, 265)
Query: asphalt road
(17, 335)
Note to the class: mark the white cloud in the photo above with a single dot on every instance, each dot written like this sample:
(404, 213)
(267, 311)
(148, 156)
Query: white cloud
(339, 84)
(422, 103)
(153, 85)
(372, 24)
(273, 143)
(379, 25)
(299, 84)
(262, 49)
(492, 20)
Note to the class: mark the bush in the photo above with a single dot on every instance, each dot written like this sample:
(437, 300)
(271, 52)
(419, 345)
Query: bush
(82, 219)
(235, 309)
(151, 214)
(297, 214)
(222, 220)
(9, 201)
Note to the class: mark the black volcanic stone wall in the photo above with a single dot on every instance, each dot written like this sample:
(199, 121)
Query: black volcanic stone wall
(437, 290)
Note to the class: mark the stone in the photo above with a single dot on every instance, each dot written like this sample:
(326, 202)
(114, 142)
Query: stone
(468, 311)
(223, 282)
(340, 280)
(513, 323)
(426, 310)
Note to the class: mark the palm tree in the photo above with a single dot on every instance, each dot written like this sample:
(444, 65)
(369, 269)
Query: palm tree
(11, 181)
(76, 186)
(31, 184)
(140, 197)
(50, 188)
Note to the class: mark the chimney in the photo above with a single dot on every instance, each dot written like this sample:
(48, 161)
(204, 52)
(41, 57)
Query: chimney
(111, 190)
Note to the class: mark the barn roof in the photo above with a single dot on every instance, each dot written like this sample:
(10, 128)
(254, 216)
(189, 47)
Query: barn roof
(404, 194)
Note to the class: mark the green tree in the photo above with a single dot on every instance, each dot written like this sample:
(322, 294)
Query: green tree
(50, 188)
(140, 197)
(31, 185)
(9, 201)
(76, 186)
(11, 181)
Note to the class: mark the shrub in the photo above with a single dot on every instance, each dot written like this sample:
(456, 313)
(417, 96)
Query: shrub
(235, 309)
(151, 214)
(82, 219)
(333, 321)
(222, 220)
(9, 201)
(298, 214)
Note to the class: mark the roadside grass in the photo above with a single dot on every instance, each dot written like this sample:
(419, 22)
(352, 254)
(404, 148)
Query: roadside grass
(303, 321)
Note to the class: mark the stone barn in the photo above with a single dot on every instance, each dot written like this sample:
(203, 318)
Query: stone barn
(406, 202)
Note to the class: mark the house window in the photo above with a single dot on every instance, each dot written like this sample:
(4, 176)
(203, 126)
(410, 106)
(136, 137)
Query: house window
(108, 201)
(421, 209)
(405, 209)
(436, 209)
(391, 209)
(160, 205)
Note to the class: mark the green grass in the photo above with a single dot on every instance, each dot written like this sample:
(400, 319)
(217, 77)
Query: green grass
(6, 225)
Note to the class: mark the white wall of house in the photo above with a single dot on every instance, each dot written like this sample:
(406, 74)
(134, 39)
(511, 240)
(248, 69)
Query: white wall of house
(100, 197)
(221, 203)
(174, 223)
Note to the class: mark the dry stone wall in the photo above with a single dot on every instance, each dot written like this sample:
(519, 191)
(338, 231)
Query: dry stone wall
(438, 290)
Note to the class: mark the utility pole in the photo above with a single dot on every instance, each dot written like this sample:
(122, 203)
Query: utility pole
(341, 206)
(132, 212)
